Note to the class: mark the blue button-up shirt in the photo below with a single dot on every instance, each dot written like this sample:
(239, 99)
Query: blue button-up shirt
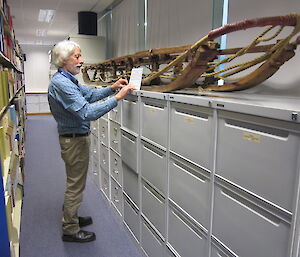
(74, 105)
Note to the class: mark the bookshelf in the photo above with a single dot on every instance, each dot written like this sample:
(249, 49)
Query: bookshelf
(12, 134)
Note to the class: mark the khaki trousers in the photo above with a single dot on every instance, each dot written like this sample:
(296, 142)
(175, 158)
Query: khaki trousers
(75, 153)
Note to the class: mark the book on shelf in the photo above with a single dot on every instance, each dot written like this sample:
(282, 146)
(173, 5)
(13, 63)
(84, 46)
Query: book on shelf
(1, 34)
(9, 212)
(13, 177)
(4, 123)
(2, 147)
(11, 83)
(4, 87)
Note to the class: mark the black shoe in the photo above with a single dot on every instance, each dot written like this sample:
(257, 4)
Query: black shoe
(85, 221)
(80, 237)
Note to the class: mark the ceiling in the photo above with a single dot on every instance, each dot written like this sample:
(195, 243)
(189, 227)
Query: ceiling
(65, 22)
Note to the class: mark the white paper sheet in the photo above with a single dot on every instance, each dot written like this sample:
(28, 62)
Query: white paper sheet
(136, 78)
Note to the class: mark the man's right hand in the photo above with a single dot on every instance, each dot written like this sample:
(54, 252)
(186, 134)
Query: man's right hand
(124, 91)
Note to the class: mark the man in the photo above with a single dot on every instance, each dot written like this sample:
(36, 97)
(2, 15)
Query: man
(73, 107)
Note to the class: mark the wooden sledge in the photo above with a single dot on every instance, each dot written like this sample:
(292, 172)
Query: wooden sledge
(197, 65)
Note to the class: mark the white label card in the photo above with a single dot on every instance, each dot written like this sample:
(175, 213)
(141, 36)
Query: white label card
(136, 78)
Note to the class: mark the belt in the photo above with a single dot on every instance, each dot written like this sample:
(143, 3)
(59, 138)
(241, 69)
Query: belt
(76, 135)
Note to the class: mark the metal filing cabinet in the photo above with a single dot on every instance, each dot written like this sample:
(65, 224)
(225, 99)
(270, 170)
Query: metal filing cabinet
(205, 176)
(104, 156)
(94, 154)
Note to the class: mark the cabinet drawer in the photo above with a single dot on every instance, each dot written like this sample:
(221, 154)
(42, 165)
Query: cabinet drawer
(130, 184)
(190, 189)
(243, 226)
(117, 196)
(130, 113)
(131, 218)
(151, 242)
(129, 150)
(257, 157)
(191, 133)
(116, 167)
(115, 136)
(96, 173)
(185, 239)
(218, 249)
(155, 120)
(103, 131)
(94, 144)
(115, 114)
(105, 183)
(154, 166)
(94, 128)
(104, 158)
(153, 207)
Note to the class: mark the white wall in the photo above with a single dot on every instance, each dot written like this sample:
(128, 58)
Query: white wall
(36, 68)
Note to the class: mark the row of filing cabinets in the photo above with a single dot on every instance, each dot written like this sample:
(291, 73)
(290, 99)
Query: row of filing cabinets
(195, 176)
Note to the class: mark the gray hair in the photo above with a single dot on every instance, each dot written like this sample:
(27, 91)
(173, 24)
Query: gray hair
(62, 51)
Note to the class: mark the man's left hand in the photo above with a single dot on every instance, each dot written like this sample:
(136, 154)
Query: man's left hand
(119, 84)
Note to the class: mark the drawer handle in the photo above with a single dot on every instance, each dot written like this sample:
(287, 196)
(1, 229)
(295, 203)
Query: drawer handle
(116, 188)
(128, 137)
(95, 151)
(116, 200)
(104, 162)
(95, 173)
(103, 135)
(269, 217)
(116, 162)
(186, 222)
(116, 171)
(115, 141)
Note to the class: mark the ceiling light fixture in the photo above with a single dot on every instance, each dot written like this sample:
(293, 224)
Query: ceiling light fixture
(41, 32)
(46, 15)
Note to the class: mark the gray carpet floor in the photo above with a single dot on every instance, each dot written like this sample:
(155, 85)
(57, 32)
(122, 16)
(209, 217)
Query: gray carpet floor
(42, 205)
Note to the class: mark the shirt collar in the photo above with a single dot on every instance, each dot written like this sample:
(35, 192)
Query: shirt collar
(68, 75)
